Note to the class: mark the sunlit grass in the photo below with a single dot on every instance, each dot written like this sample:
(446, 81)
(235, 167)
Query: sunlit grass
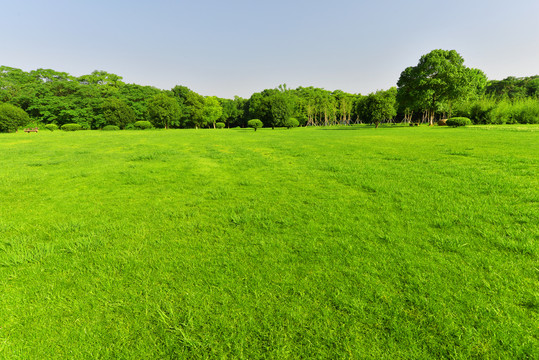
(304, 243)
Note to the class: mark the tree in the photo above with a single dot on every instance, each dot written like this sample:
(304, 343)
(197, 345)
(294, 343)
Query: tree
(377, 107)
(116, 112)
(212, 110)
(191, 105)
(255, 123)
(11, 117)
(164, 111)
(281, 109)
(440, 78)
(291, 122)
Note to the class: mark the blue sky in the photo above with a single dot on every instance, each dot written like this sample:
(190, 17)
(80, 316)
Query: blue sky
(238, 47)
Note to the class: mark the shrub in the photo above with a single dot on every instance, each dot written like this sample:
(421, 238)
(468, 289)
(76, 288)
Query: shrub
(458, 121)
(527, 112)
(111, 128)
(291, 122)
(142, 125)
(11, 117)
(51, 127)
(442, 122)
(255, 123)
(220, 125)
(481, 112)
(71, 127)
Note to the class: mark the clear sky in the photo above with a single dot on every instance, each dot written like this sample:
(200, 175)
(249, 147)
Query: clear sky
(239, 47)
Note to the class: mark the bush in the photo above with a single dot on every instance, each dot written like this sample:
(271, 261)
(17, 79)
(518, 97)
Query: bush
(458, 121)
(482, 112)
(255, 123)
(527, 112)
(442, 122)
(111, 128)
(142, 125)
(51, 127)
(71, 127)
(291, 122)
(11, 117)
(220, 125)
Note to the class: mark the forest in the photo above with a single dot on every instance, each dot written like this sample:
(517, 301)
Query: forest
(440, 86)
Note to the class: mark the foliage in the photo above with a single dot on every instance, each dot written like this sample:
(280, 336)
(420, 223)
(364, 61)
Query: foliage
(142, 125)
(212, 110)
(377, 107)
(12, 117)
(458, 121)
(439, 86)
(438, 80)
(110, 128)
(51, 127)
(117, 112)
(220, 125)
(255, 123)
(291, 122)
(489, 110)
(191, 106)
(514, 88)
(164, 111)
(71, 127)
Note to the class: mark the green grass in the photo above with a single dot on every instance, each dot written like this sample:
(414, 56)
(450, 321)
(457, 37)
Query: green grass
(394, 243)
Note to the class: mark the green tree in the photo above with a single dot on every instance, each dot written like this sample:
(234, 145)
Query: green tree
(255, 123)
(11, 117)
(212, 110)
(281, 109)
(440, 78)
(191, 105)
(117, 112)
(378, 107)
(164, 111)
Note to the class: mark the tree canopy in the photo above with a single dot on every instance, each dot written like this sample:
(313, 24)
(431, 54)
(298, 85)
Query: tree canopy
(439, 85)
(439, 79)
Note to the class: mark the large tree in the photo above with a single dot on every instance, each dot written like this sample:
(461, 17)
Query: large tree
(212, 110)
(116, 112)
(377, 107)
(164, 111)
(439, 79)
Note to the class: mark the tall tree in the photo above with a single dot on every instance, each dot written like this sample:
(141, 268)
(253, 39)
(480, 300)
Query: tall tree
(164, 111)
(191, 105)
(439, 78)
(378, 107)
(116, 112)
(212, 110)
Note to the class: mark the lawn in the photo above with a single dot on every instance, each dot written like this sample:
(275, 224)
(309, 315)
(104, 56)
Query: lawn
(322, 243)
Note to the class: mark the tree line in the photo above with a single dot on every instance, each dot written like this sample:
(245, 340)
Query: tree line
(439, 86)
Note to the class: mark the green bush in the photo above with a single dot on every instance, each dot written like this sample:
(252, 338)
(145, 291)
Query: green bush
(220, 125)
(527, 112)
(71, 127)
(458, 121)
(255, 123)
(482, 112)
(291, 122)
(11, 117)
(51, 127)
(111, 128)
(142, 125)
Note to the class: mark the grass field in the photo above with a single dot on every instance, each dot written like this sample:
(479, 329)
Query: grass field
(319, 243)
